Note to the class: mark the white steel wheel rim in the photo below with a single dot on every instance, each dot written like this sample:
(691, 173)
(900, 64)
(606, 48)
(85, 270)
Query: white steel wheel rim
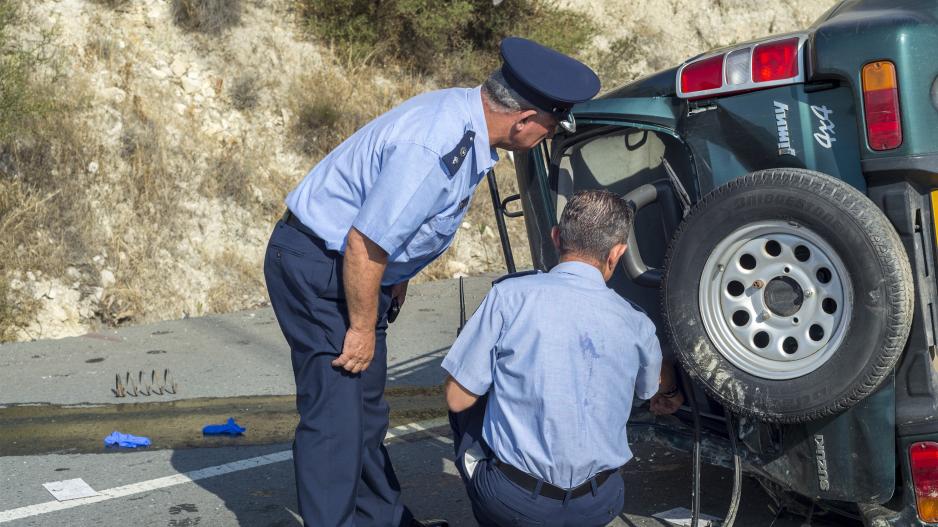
(773, 261)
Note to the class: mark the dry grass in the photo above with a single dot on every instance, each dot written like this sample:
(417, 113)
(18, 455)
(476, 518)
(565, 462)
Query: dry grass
(229, 178)
(245, 92)
(455, 41)
(238, 276)
(101, 47)
(113, 4)
(42, 152)
(206, 16)
(329, 105)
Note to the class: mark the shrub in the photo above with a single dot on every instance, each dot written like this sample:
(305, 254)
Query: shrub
(206, 16)
(229, 177)
(326, 106)
(37, 210)
(456, 40)
(244, 92)
(316, 126)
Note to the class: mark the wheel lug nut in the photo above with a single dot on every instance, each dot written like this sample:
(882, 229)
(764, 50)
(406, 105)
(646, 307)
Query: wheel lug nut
(758, 284)
(765, 315)
(809, 293)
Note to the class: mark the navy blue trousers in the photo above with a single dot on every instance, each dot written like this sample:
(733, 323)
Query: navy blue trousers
(344, 476)
(497, 501)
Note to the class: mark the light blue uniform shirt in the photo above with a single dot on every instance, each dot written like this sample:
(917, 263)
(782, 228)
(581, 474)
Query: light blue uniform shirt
(561, 356)
(404, 180)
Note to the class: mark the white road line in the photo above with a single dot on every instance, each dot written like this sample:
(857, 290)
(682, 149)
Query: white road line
(195, 475)
(411, 428)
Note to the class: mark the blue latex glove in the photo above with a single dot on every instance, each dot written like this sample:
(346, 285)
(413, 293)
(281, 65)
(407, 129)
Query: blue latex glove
(230, 428)
(125, 440)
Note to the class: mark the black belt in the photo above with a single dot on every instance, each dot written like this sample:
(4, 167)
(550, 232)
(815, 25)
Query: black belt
(290, 219)
(294, 222)
(529, 482)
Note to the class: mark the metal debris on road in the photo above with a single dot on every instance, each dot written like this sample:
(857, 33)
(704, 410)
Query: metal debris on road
(142, 384)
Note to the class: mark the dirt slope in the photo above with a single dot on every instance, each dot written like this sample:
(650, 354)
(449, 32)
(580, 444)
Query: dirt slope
(189, 143)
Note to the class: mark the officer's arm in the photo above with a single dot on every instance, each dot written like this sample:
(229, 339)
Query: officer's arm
(457, 397)
(363, 267)
(472, 356)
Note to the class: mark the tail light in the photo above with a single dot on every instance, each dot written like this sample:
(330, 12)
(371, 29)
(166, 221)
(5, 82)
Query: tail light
(703, 75)
(775, 60)
(881, 105)
(923, 460)
(763, 65)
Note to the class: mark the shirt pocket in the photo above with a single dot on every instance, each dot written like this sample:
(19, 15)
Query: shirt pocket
(435, 235)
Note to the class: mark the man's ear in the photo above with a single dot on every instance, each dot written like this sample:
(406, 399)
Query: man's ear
(555, 236)
(523, 117)
(615, 254)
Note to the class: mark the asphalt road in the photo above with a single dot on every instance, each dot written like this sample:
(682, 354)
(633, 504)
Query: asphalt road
(263, 495)
(57, 405)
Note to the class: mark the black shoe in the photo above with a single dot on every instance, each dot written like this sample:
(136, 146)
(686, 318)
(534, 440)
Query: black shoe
(429, 523)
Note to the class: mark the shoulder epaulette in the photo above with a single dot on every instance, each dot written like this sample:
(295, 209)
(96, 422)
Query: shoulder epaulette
(514, 275)
(454, 159)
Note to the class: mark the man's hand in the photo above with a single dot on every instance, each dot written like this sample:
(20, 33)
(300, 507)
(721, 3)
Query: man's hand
(664, 405)
(363, 266)
(358, 350)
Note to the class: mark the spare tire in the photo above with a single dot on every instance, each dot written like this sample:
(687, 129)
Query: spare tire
(787, 294)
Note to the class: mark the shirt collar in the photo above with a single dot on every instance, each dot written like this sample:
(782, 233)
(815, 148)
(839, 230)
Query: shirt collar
(485, 155)
(580, 269)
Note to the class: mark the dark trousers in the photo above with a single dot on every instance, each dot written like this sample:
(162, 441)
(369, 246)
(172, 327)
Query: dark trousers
(344, 476)
(497, 501)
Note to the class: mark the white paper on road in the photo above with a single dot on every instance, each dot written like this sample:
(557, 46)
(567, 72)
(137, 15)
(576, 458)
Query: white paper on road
(70, 489)
(681, 516)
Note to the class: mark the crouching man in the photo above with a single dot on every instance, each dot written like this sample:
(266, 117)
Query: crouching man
(541, 381)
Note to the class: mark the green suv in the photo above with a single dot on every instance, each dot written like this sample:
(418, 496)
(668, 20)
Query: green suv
(785, 246)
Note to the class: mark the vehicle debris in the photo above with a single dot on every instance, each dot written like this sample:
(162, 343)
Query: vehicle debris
(142, 384)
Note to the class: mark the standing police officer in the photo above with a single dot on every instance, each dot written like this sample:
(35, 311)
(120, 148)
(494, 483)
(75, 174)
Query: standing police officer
(368, 217)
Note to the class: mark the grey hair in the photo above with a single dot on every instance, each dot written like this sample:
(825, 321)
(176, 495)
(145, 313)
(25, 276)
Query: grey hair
(501, 97)
(593, 222)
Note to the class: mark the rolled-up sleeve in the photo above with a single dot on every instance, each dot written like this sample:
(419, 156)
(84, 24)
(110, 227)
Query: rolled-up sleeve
(471, 359)
(649, 370)
(406, 191)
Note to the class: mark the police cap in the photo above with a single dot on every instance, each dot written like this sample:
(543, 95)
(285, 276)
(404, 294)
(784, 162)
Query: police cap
(547, 78)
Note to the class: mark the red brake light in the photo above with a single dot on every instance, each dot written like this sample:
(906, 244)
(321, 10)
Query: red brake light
(881, 105)
(704, 75)
(775, 60)
(923, 460)
(746, 68)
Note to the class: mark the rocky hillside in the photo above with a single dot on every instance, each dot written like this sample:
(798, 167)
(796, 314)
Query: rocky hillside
(151, 195)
